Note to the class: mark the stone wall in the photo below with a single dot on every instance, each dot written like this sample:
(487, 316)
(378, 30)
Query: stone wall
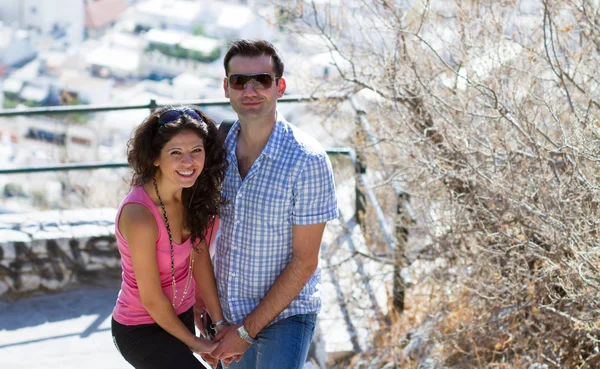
(49, 250)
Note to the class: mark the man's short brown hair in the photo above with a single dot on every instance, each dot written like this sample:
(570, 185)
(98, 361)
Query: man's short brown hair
(254, 48)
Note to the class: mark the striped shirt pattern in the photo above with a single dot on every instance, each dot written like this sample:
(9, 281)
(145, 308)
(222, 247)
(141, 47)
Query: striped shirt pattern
(291, 182)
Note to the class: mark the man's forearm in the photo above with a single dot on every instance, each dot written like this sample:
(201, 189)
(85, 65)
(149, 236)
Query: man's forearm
(286, 287)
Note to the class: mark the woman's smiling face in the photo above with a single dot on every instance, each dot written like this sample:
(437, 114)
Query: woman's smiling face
(181, 160)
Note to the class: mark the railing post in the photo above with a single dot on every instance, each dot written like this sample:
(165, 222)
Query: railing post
(402, 236)
(360, 197)
(153, 105)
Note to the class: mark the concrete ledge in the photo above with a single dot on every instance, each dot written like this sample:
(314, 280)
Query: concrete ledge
(48, 250)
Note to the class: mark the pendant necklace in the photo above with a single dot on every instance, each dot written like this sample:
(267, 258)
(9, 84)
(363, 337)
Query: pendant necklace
(189, 278)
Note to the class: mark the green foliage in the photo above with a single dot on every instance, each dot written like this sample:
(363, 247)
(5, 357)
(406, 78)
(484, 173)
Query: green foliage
(10, 103)
(79, 118)
(40, 199)
(198, 30)
(13, 190)
(182, 53)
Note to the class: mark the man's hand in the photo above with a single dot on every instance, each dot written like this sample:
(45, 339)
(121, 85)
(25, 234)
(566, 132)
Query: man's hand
(211, 360)
(231, 345)
(237, 358)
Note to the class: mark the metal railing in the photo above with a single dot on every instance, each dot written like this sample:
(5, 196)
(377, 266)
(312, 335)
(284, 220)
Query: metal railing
(364, 194)
(65, 167)
(152, 105)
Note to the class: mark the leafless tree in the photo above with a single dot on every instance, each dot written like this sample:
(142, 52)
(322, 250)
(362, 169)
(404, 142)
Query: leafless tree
(487, 113)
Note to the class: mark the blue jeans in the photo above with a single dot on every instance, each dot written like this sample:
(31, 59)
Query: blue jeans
(282, 345)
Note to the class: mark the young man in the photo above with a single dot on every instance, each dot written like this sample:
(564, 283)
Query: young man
(280, 194)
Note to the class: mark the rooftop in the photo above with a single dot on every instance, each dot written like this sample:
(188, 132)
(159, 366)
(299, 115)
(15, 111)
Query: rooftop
(72, 79)
(34, 92)
(114, 58)
(100, 13)
(166, 37)
(175, 10)
(201, 44)
(12, 85)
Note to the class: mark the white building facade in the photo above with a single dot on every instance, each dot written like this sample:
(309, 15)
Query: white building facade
(59, 18)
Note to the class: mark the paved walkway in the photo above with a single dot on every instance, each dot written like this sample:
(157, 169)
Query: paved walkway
(63, 330)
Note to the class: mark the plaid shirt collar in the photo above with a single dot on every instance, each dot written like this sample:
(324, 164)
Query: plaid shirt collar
(271, 149)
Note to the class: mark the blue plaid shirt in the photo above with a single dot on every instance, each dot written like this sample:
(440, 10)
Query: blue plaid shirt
(291, 182)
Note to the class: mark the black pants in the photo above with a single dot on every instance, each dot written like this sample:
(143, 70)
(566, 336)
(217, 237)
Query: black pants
(148, 346)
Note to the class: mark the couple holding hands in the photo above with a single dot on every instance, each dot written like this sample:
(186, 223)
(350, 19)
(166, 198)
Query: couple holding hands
(262, 197)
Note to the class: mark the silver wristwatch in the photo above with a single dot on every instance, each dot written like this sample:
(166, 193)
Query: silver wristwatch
(244, 335)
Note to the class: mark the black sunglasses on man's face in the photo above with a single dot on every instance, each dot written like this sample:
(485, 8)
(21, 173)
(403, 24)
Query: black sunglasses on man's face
(261, 81)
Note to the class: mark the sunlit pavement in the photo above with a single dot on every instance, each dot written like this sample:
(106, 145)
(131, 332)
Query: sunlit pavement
(60, 330)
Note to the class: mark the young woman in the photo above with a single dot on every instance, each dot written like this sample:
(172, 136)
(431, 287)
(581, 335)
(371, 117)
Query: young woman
(163, 229)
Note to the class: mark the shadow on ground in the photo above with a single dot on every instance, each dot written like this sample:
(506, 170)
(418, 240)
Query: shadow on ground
(84, 299)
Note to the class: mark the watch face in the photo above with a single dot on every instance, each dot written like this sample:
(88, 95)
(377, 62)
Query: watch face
(243, 333)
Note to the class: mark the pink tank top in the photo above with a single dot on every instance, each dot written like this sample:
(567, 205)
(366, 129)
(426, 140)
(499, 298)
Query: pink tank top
(129, 309)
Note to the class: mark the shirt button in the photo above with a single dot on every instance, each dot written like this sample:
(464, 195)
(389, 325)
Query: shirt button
(237, 222)
(233, 274)
(239, 195)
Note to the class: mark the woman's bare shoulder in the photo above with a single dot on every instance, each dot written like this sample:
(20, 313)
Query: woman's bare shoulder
(137, 217)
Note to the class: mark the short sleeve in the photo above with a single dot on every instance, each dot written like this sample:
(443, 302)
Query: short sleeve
(314, 193)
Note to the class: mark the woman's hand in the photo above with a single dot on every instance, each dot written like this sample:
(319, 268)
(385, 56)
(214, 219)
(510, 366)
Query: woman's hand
(199, 319)
(203, 346)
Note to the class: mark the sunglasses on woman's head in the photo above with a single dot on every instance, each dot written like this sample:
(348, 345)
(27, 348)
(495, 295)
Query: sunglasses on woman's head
(261, 81)
(171, 115)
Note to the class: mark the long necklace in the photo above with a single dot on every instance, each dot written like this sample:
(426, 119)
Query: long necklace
(189, 278)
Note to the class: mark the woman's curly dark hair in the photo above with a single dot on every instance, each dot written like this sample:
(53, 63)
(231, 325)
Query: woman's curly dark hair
(202, 200)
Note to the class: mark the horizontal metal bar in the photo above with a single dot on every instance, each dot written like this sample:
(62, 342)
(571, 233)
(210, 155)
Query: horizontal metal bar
(92, 166)
(151, 104)
(69, 109)
(64, 167)
(340, 151)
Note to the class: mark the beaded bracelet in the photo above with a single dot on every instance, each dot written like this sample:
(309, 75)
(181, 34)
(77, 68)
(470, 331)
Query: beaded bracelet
(219, 323)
